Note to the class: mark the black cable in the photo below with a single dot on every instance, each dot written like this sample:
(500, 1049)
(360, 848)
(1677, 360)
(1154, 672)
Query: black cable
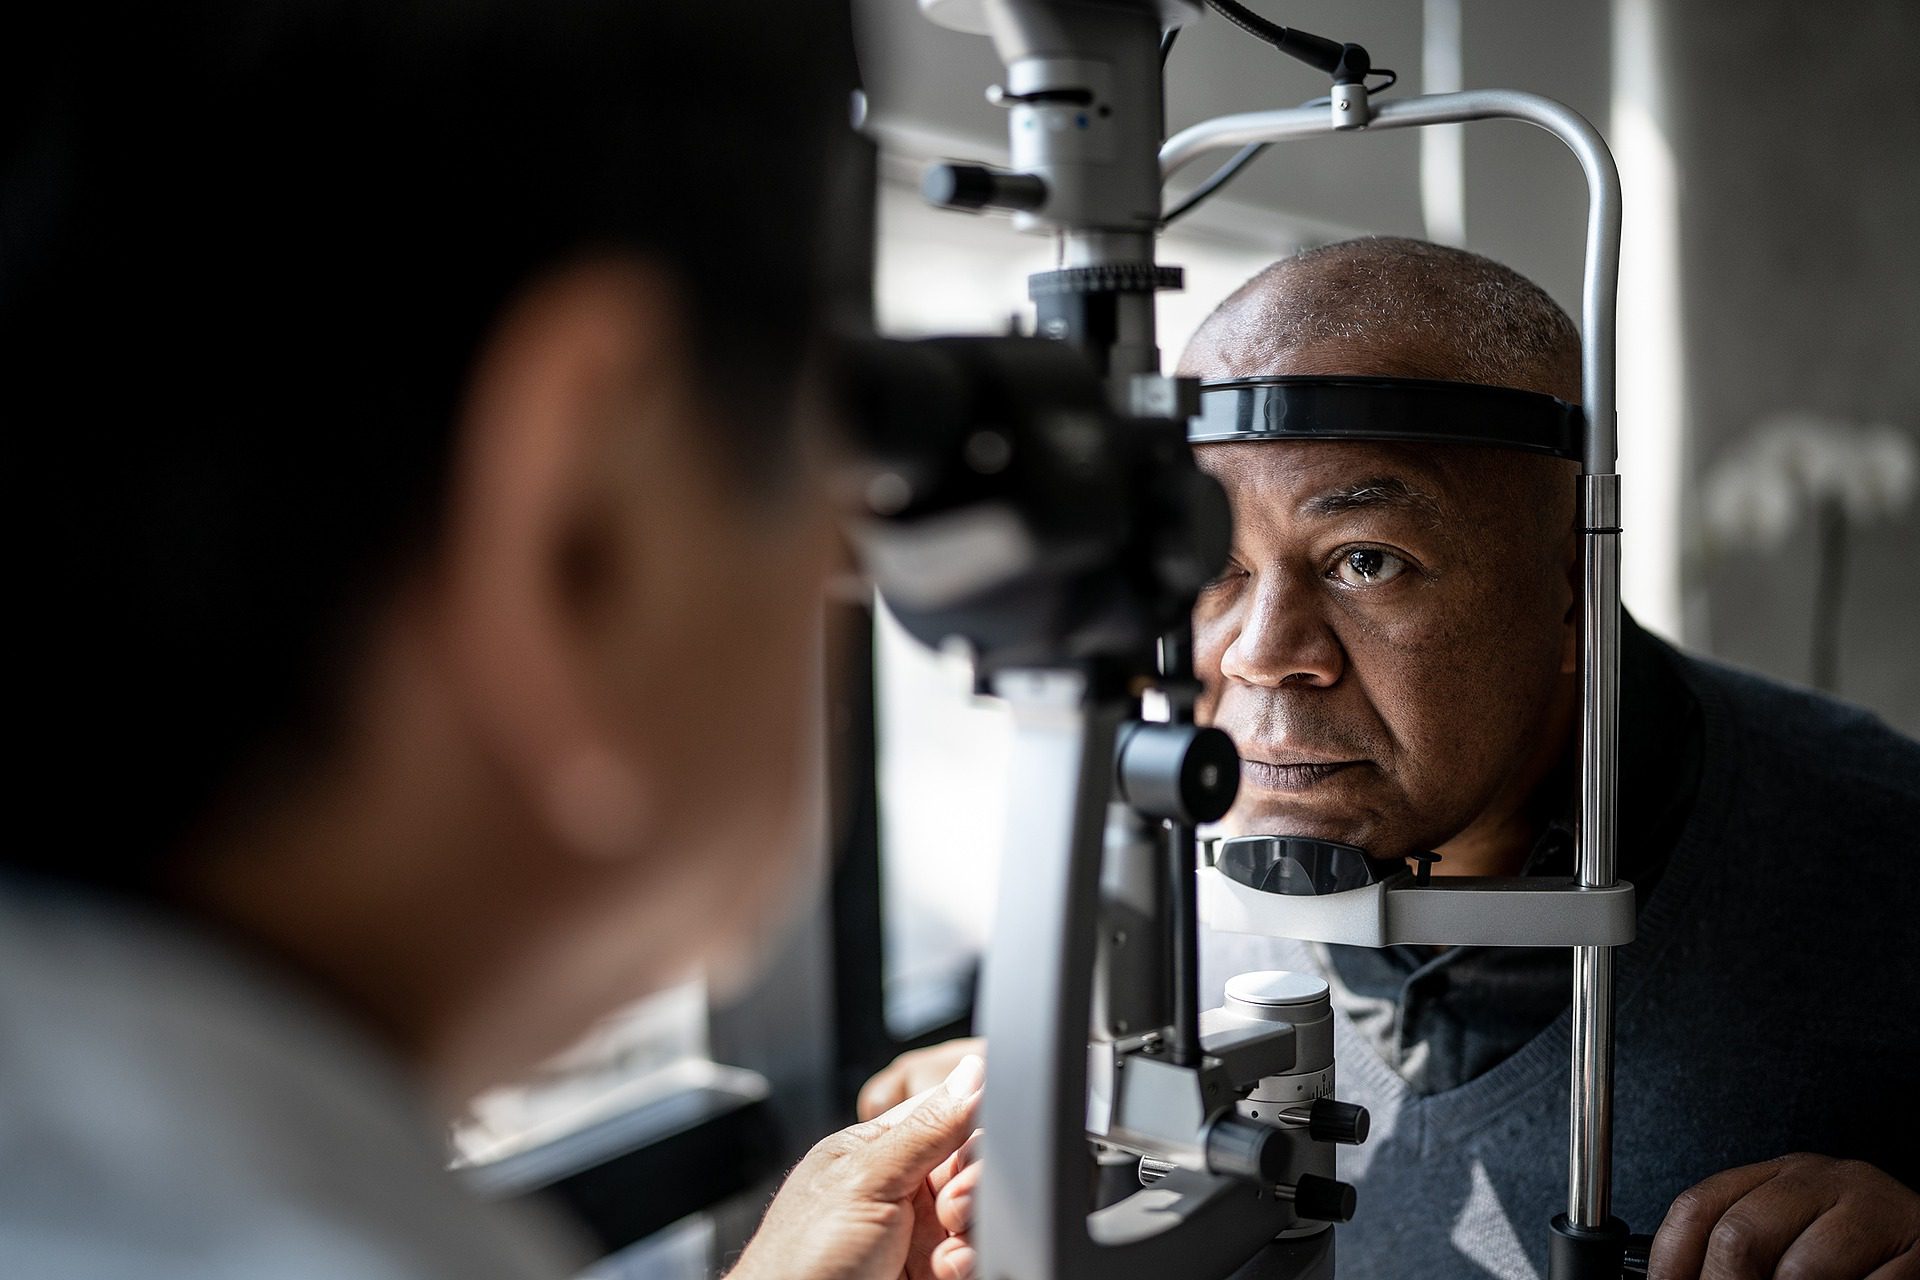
(1246, 155)
(1250, 22)
(1338, 60)
(1320, 52)
(1221, 177)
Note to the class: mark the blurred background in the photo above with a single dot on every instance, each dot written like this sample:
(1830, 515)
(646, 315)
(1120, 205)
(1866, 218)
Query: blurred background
(1769, 396)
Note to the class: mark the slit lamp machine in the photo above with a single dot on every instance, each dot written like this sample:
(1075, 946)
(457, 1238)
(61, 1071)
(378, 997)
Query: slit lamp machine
(1036, 498)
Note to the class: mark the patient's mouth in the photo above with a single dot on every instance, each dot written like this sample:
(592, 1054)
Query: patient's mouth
(1297, 776)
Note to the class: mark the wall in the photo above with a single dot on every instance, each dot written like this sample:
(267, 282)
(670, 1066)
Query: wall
(1796, 137)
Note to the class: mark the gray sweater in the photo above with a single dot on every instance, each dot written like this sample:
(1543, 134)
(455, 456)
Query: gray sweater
(1770, 1004)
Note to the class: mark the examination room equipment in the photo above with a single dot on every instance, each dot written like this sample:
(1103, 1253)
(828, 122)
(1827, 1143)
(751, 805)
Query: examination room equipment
(1033, 500)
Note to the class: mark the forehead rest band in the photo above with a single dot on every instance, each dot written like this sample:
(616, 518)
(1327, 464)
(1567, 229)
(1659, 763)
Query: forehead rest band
(1406, 410)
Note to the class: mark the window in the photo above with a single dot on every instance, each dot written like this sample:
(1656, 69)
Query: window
(631, 1058)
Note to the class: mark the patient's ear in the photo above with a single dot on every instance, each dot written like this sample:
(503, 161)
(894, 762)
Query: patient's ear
(574, 427)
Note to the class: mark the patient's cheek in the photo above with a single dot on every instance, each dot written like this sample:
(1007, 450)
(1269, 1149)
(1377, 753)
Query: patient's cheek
(1210, 641)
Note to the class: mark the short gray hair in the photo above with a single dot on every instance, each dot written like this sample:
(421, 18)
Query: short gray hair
(1437, 312)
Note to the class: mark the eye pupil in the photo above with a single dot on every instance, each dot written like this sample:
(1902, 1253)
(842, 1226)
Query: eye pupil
(1366, 563)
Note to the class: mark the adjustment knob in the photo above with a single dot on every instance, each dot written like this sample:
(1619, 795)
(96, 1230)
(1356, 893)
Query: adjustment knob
(1342, 1122)
(1152, 1170)
(1321, 1199)
(1180, 772)
(974, 187)
(1246, 1149)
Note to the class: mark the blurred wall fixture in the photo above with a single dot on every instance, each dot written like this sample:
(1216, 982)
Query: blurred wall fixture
(1793, 471)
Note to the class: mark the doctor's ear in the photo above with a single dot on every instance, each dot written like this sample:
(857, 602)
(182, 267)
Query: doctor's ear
(574, 438)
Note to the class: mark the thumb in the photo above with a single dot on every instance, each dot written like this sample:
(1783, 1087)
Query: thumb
(918, 1135)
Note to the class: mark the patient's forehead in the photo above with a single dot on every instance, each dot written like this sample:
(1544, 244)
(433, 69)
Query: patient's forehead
(1495, 500)
(1279, 470)
(1229, 347)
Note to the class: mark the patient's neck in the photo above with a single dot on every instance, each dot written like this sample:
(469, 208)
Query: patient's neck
(1497, 848)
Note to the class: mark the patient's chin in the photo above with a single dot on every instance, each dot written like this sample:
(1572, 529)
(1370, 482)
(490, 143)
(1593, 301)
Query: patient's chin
(1312, 821)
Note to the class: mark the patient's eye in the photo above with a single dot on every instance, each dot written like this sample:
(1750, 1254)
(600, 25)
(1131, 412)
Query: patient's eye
(1368, 567)
(1225, 578)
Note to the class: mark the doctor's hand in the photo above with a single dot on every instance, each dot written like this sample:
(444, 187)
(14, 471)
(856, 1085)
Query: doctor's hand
(913, 1072)
(1802, 1216)
(953, 1185)
(860, 1206)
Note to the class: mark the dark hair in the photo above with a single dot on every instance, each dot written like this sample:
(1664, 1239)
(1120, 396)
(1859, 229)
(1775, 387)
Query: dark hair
(248, 252)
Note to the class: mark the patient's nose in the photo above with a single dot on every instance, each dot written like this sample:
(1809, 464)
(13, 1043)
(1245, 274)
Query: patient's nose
(1283, 639)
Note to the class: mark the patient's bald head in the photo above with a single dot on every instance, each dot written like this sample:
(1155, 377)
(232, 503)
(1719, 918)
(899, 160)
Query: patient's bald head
(1392, 307)
(1392, 643)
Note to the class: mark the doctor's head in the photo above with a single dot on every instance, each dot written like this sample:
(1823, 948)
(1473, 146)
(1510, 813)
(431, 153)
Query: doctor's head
(432, 541)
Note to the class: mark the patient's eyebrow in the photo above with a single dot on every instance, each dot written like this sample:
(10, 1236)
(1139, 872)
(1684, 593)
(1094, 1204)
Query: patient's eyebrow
(1379, 491)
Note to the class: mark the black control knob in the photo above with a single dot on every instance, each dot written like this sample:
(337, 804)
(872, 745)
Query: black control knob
(1342, 1122)
(1180, 772)
(1636, 1257)
(974, 187)
(1321, 1199)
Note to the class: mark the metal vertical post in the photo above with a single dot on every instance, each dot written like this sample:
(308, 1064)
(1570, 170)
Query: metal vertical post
(1590, 1122)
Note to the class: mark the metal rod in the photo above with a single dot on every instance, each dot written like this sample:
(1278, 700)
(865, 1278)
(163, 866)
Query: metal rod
(1036, 990)
(1590, 1119)
(1183, 906)
(1183, 866)
(1600, 678)
(1590, 1142)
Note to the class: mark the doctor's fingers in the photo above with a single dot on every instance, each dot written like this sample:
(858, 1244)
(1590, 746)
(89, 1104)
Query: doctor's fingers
(889, 1158)
(955, 1259)
(914, 1072)
(954, 1204)
(969, 1153)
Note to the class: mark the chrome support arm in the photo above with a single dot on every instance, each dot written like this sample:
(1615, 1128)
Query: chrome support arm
(1591, 1102)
